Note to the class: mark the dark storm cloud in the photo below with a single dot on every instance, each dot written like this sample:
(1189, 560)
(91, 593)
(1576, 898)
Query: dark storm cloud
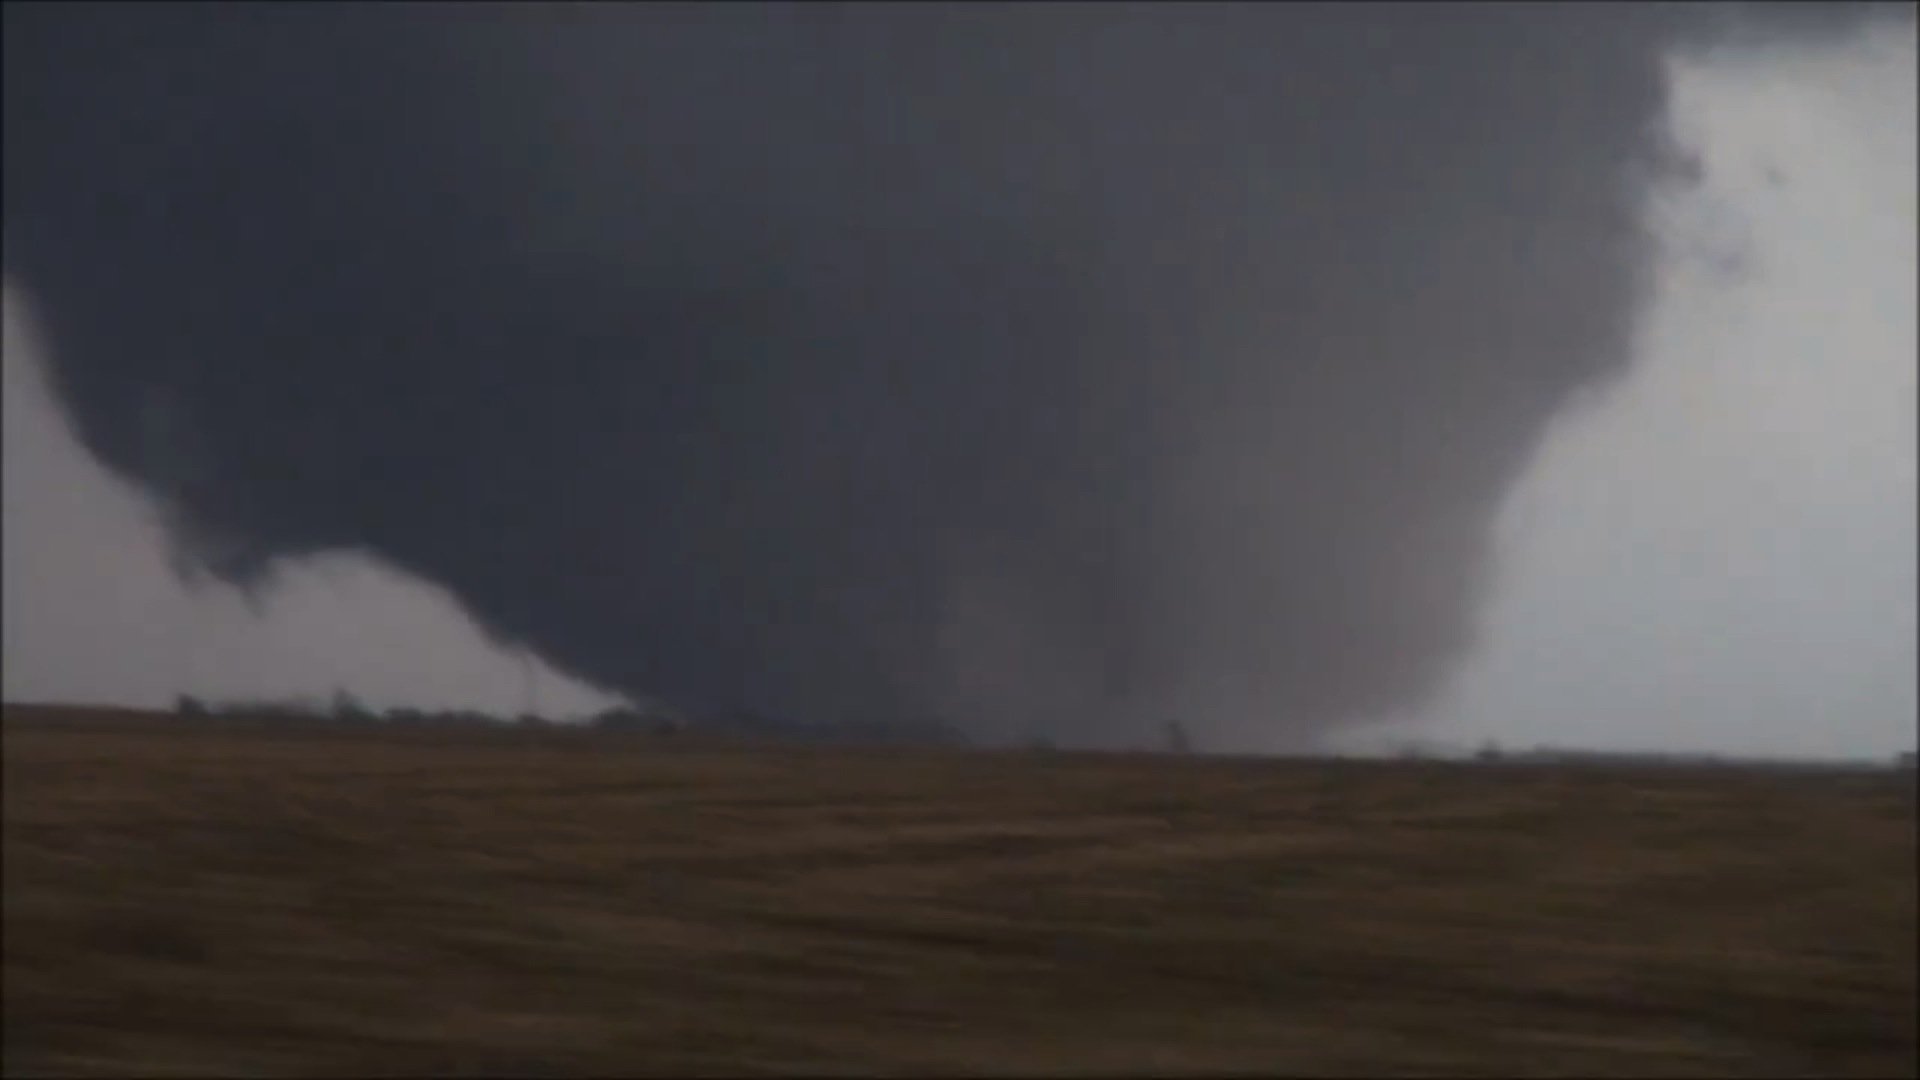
(1040, 367)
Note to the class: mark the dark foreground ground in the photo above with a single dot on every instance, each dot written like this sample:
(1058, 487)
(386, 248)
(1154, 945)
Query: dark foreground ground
(195, 901)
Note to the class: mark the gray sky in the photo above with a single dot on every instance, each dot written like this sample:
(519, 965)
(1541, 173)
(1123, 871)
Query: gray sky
(1716, 552)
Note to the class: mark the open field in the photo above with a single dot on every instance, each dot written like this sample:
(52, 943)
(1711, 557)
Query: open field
(187, 900)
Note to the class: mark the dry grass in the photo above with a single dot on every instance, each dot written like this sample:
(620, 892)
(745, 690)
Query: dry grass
(192, 901)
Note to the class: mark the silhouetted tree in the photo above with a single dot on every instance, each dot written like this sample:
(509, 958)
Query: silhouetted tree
(188, 705)
(620, 718)
(347, 709)
(1177, 740)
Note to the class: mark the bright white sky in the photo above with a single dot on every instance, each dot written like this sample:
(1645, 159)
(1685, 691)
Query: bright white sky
(1719, 553)
(1716, 554)
(93, 613)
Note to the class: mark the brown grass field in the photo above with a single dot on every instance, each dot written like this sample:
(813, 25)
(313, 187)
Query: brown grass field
(195, 899)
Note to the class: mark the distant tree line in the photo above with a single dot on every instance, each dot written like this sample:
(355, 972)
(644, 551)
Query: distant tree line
(1493, 753)
(345, 710)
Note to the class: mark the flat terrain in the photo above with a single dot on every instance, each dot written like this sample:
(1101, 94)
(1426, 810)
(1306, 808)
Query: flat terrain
(198, 900)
